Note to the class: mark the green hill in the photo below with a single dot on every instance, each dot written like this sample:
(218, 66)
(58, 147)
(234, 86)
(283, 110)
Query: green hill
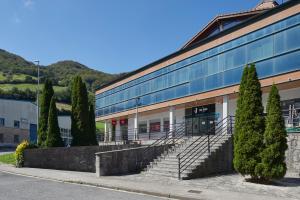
(18, 75)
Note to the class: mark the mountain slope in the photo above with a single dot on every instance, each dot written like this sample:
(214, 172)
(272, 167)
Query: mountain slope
(61, 72)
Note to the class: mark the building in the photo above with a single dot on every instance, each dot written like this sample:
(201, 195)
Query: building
(64, 122)
(18, 122)
(198, 84)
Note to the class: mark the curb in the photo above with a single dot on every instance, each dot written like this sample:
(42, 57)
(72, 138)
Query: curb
(157, 194)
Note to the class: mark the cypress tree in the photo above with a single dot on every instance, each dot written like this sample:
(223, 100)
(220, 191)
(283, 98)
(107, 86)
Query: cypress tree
(237, 159)
(250, 127)
(80, 113)
(273, 156)
(53, 133)
(92, 123)
(46, 97)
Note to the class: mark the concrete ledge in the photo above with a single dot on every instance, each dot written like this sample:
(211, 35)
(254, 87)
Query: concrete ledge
(126, 160)
(67, 158)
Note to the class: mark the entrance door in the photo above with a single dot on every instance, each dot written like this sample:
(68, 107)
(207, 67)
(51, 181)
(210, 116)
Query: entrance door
(33, 133)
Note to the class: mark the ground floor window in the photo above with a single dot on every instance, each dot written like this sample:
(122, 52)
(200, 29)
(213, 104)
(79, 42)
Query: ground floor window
(16, 138)
(155, 126)
(1, 138)
(2, 121)
(291, 114)
(166, 125)
(143, 127)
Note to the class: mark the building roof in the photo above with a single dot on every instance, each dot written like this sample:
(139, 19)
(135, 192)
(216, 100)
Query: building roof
(222, 19)
(256, 17)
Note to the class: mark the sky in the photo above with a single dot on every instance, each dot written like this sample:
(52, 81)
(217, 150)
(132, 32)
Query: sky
(107, 35)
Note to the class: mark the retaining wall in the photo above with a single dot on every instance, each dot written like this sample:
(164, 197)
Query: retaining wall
(68, 158)
(126, 161)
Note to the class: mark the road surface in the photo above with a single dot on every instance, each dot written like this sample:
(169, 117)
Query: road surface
(14, 187)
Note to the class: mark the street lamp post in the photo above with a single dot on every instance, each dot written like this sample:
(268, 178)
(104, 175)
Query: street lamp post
(137, 101)
(37, 97)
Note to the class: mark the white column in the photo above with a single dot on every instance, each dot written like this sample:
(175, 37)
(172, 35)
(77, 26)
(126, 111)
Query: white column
(171, 120)
(225, 110)
(135, 126)
(106, 131)
(109, 132)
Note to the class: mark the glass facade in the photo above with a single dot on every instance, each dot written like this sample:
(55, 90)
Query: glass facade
(275, 49)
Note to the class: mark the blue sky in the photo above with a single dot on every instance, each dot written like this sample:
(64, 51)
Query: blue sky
(108, 35)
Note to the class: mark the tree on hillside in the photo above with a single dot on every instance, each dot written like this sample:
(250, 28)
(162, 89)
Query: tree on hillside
(80, 113)
(53, 133)
(46, 97)
(273, 156)
(249, 125)
(92, 123)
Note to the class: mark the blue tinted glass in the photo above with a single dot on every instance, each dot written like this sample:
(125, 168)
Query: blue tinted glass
(264, 68)
(287, 63)
(260, 49)
(222, 69)
(233, 76)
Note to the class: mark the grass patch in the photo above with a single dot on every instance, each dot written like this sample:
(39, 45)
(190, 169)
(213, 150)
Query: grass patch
(100, 126)
(63, 106)
(8, 158)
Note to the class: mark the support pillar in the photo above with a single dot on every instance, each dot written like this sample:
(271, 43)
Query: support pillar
(171, 120)
(225, 111)
(135, 126)
(106, 134)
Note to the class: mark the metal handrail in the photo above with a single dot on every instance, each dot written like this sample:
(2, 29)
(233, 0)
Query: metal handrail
(201, 148)
(165, 140)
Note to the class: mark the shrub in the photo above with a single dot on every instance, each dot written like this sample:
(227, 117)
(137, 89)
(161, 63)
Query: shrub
(19, 154)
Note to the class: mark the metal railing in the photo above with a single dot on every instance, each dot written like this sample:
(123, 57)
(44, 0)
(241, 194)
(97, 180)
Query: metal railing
(204, 144)
(167, 141)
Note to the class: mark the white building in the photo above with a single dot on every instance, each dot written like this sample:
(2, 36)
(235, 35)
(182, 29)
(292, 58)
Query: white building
(18, 121)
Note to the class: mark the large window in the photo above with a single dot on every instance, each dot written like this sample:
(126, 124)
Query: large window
(2, 122)
(274, 49)
(154, 125)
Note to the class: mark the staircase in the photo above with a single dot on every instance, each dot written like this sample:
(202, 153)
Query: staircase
(197, 156)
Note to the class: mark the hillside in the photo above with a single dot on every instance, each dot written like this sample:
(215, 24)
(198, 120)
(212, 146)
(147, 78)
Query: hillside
(19, 76)
(60, 72)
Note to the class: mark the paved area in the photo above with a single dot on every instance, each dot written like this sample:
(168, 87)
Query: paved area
(25, 188)
(224, 187)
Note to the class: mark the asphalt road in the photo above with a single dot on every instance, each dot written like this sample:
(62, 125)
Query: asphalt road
(14, 187)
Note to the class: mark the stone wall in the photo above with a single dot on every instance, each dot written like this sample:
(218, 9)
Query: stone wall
(293, 153)
(126, 161)
(68, 158)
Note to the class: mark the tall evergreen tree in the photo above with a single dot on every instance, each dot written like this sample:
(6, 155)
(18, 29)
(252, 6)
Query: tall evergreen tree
(92, 123)
(53, 133)
(250, 126)
(46, 96)
(80, 113)
(273, 156)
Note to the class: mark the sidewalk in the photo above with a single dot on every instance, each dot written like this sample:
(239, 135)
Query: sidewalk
(231, 187)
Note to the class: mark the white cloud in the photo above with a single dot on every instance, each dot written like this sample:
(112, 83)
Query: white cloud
(28, 3)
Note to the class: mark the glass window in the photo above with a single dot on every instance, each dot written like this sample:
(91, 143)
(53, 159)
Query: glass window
(212, 65)
(2, 122)
(154, 125)
(16, 124)
(16, 139)
(287, 40)
(264, 68)
(260, 49)
(287, 62)
(1, 138)
(233, 76)
(143, 127)
(214, 81)
(234, 58)
(197, 86)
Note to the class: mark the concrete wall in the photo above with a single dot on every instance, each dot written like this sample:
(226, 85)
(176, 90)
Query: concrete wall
(220, 161)
(23, 111)
(293, 153)
(126, 161)
(72, 158)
